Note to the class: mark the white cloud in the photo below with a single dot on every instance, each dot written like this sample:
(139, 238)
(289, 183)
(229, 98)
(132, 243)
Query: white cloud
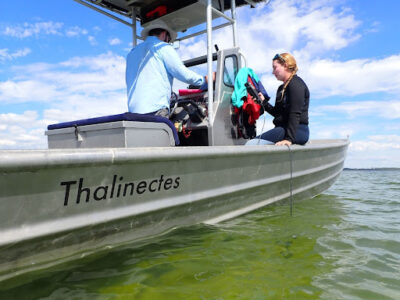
(359, 76)
(373, 28)
(26, 91)
(79, 88)
(26, 130)
(75, 31)
(307, 29)
(25, 119)
(5, 55)
(192, 48)
(334, 31)
(393, 139)
(29, 29)
(284, 26)
(114, 41)
(7, 143)
(92, 40)
(364, 146)
(383, 109)
(42, 28)
(375, 152)
(269, 32)
(22, 131)
(329, 132)
(85, 76)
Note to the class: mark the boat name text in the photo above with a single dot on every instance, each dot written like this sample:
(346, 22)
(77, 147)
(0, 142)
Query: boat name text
(117, 189)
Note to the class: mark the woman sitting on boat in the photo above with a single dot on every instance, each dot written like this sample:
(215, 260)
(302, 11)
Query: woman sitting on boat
(291, 106)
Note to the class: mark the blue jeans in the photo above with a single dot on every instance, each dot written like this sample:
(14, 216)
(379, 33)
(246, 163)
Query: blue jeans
(278, 134)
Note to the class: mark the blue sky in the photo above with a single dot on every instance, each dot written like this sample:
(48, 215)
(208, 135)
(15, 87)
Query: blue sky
(61, 61)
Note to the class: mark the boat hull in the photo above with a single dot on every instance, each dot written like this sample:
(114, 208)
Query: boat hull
(59, 205)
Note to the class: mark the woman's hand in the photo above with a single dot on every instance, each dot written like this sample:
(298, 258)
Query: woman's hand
(260, 96)
(283, 143)
(213, 77)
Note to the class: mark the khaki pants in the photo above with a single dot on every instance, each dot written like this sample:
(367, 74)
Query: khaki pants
(163, 112)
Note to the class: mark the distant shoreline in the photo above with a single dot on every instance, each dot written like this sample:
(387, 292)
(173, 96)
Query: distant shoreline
(371, 169)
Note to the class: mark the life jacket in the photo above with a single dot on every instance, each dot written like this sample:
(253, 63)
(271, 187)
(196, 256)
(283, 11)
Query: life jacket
(252, 108)
(245, 110)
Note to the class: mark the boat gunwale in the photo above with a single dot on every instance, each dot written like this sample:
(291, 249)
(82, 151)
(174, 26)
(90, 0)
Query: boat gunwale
(12, 160)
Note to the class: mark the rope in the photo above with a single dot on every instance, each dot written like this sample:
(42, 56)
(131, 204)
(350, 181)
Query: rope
(291, 183)
(262, 131)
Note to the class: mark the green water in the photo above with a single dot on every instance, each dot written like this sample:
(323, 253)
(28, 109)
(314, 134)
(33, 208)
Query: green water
(344, 244)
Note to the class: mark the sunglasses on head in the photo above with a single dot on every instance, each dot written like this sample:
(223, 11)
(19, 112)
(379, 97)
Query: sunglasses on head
(278, 56)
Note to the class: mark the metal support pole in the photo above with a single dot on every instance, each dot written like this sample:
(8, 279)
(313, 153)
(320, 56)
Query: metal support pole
(221, 14)
(134, 40)
(103, 12)
(209, 65)
(204, 31)
(233, 11)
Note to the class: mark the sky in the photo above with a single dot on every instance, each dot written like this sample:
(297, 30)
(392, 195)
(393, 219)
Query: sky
(61, 61)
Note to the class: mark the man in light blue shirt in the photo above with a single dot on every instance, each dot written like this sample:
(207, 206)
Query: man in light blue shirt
(150, 69)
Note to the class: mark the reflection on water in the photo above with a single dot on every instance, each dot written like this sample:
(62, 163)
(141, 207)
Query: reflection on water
(344, 244)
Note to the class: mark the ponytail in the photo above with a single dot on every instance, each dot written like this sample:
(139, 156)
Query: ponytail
(286, 84)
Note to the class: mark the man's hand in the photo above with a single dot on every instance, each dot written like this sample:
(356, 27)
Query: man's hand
(213, 77)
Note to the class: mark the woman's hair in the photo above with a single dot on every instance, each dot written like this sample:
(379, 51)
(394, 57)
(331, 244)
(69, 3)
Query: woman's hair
(289, 61)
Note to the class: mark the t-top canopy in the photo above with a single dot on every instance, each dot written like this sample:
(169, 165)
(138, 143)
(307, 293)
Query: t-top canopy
(179, 14)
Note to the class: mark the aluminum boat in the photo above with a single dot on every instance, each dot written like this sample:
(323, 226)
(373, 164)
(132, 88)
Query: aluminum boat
(112, 180)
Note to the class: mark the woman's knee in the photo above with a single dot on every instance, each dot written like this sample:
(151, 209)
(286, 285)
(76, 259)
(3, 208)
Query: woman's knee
(274, 135)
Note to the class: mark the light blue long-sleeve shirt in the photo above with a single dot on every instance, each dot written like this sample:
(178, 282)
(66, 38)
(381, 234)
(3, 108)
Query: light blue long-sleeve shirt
(150, 69)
